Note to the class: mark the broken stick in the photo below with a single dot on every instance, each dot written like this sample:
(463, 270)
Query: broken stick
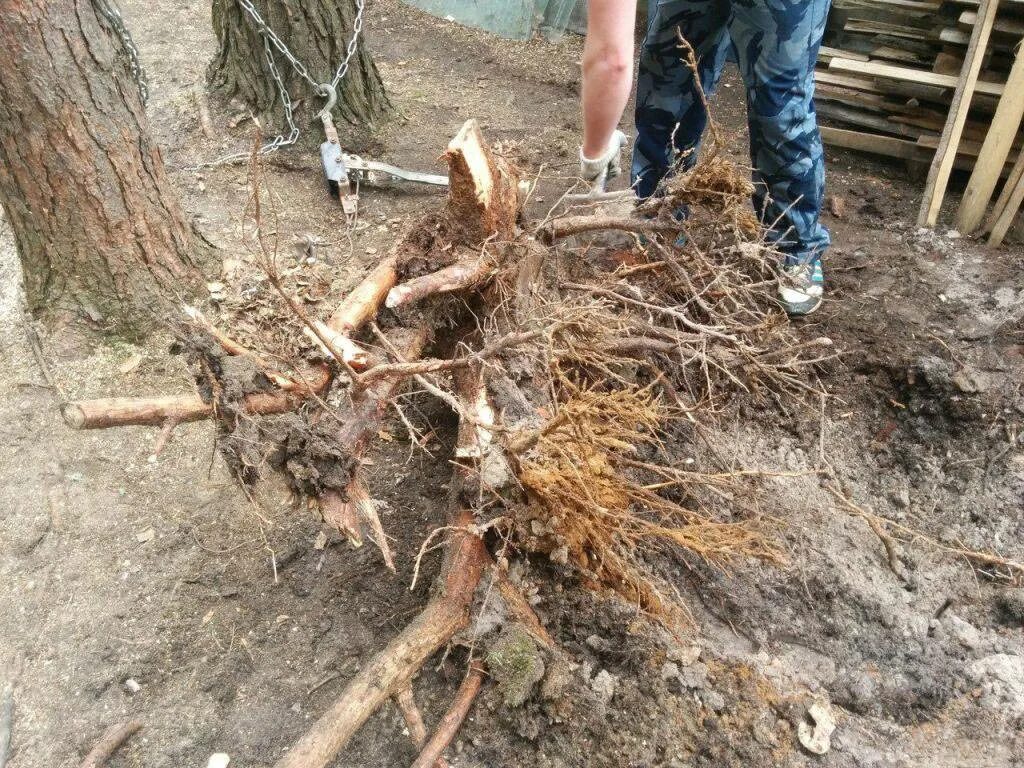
(112, 738)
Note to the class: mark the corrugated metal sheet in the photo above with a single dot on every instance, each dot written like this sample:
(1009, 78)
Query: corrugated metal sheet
(515, 19)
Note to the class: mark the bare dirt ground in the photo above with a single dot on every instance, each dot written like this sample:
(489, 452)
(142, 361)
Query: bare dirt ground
(236, 630)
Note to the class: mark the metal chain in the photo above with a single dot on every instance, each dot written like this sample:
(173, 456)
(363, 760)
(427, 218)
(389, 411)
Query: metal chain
(113, 16)
(280, 140)
(298, 66)
(271, 41)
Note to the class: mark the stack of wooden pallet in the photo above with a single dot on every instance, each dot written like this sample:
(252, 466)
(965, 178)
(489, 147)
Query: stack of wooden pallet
(924, 81)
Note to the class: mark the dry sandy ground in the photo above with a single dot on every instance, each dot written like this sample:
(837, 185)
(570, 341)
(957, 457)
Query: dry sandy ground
(238, 631)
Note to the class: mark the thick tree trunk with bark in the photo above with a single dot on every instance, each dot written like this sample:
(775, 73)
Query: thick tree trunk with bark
(317, 32)
(97, 223)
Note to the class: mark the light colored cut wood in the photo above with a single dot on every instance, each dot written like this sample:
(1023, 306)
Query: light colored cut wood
(945, 155)
(909, 74)
(994, 151)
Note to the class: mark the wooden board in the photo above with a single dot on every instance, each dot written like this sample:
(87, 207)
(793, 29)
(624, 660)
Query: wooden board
(998, 142)
(945, 155)
(909, 74)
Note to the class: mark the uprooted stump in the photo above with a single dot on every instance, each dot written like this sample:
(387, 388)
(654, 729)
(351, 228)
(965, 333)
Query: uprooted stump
(569, 374)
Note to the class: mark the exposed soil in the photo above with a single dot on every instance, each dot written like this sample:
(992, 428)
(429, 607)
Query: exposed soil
(240, 627)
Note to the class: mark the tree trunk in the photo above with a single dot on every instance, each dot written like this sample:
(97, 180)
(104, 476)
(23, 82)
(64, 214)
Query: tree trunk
(97, 224)
(317, 32)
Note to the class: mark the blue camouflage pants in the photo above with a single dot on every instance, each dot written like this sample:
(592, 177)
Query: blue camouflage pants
(776, 44)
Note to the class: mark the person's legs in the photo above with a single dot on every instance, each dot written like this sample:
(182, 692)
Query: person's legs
(607, 71)
(777, 45)
(669, 114)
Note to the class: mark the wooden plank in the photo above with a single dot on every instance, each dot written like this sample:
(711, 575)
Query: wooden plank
(1004, 218)
(903, 149)
(909, 74)
(998, 142)
(826, 52)
(1014, 180)
(945, 155)
(1013, 27)
(866, 120)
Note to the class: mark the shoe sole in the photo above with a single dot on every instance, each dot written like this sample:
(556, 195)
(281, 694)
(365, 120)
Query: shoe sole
(799, 311)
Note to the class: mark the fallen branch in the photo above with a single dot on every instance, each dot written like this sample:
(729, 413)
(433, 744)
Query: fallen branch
(112, 738)
(453, 718)
(106, 412)
(457, 277)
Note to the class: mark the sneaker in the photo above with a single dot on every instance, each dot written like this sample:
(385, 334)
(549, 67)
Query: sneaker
(801, 287)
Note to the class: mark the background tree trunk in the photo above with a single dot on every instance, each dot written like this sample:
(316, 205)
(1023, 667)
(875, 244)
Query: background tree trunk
(317, 32)
(97, 224)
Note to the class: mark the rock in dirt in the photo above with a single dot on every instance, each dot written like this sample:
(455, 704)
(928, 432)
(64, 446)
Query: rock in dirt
(515, 663)
(218, 760)
(604, 684)
(694, 676)
(684, 655)
(1001, 678)
(962, 631)
(132, 685)
(816, 736)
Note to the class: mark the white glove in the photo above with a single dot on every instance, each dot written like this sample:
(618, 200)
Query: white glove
(596, 172)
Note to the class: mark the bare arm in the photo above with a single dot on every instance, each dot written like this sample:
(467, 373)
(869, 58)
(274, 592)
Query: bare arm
(607, 70)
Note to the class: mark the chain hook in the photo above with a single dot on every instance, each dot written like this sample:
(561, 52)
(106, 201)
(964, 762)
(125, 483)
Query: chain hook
(328, 91)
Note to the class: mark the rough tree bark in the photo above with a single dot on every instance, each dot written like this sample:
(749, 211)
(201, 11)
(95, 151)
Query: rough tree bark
(97, 224)
(317, 32)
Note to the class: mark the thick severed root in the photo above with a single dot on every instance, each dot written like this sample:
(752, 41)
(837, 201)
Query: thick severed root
(341, 515)
(178, 409)
(457, 277)
(365, 299)
(453, 718)
(368, 408)
(393, 668)
(112, 738)
(483, 197)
